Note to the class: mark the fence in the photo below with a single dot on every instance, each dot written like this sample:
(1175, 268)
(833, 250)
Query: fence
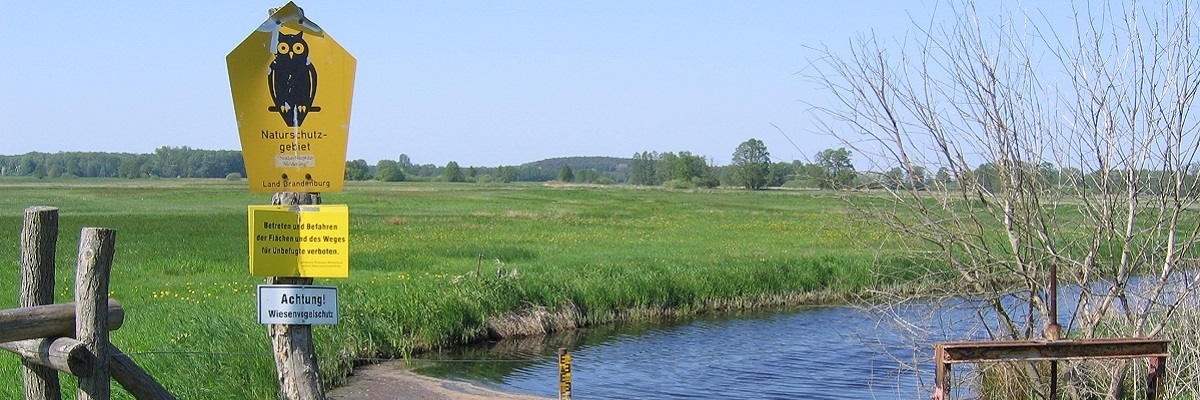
(948, 354)
(1052, 350)
(71, 337)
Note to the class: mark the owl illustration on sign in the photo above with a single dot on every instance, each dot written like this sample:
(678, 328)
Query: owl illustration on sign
(292, 80)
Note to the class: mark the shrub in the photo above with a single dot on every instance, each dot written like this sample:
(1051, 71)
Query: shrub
(390, 174)
(678, 184)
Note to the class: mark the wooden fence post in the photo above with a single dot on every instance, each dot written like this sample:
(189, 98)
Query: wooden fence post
(41, 332)
(295, 355)
(39, 238)
(96, 247)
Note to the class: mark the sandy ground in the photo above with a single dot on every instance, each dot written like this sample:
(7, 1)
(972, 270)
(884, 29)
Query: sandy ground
(387, 382)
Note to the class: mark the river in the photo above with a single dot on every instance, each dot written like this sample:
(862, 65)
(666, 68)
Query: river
(811, 353)
(808, 353)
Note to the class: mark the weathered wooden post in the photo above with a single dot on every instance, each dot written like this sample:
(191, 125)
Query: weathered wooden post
(96, 247)
(39, 238)
(133, 378)
(44, 334)
(295, 355)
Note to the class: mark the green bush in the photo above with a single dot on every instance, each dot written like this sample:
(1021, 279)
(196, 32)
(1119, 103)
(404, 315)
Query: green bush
(390, 174)
(233, 176)
(678, 184)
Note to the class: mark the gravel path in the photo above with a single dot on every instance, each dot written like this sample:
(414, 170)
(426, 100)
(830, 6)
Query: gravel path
(389, 382)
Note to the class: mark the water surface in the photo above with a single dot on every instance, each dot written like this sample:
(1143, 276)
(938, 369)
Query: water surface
(814, 353)
(810, 353)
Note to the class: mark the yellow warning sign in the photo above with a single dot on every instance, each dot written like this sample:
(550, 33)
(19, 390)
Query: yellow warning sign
(292, 85)
(300, 241)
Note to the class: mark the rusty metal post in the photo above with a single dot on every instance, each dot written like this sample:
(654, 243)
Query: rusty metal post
(1053, 379)
(941, 379)
(1053, 330)
(1154, 378)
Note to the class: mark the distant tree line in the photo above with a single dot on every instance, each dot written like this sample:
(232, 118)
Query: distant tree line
(598, 170)
(752, 168)
(166, 162)
(831, 169)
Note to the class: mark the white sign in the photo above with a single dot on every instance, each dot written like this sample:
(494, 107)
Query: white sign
(297, 305)
(295, 160)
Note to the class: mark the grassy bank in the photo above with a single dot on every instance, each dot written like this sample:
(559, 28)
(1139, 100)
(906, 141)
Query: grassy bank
(547, 256)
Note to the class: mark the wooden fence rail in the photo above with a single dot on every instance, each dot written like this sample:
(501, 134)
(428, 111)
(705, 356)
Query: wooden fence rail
(49, 321)
(69, 337)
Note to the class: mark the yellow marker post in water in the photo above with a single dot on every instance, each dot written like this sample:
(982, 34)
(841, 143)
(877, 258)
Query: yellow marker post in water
(564, 374)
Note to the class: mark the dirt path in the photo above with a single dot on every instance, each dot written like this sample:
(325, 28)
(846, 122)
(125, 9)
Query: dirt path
(388, 382)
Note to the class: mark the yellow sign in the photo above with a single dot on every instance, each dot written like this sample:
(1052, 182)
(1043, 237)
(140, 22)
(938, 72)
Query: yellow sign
(292, 86)
(300, 241)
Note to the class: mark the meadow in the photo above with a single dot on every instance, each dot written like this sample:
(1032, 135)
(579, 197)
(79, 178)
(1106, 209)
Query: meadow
(438, 264)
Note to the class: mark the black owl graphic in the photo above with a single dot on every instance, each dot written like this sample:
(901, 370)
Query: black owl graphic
(292, 80)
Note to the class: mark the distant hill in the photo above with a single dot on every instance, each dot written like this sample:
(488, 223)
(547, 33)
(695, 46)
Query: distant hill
(602, 164)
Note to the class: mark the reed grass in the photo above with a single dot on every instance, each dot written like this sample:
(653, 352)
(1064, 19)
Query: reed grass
(435, 265)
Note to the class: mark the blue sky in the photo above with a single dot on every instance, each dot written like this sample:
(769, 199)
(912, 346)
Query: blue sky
(478, 82)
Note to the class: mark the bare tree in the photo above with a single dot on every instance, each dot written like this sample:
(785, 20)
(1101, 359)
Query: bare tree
(1060, 148)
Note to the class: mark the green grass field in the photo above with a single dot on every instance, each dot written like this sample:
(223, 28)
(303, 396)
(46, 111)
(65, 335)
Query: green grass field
(595, 255)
